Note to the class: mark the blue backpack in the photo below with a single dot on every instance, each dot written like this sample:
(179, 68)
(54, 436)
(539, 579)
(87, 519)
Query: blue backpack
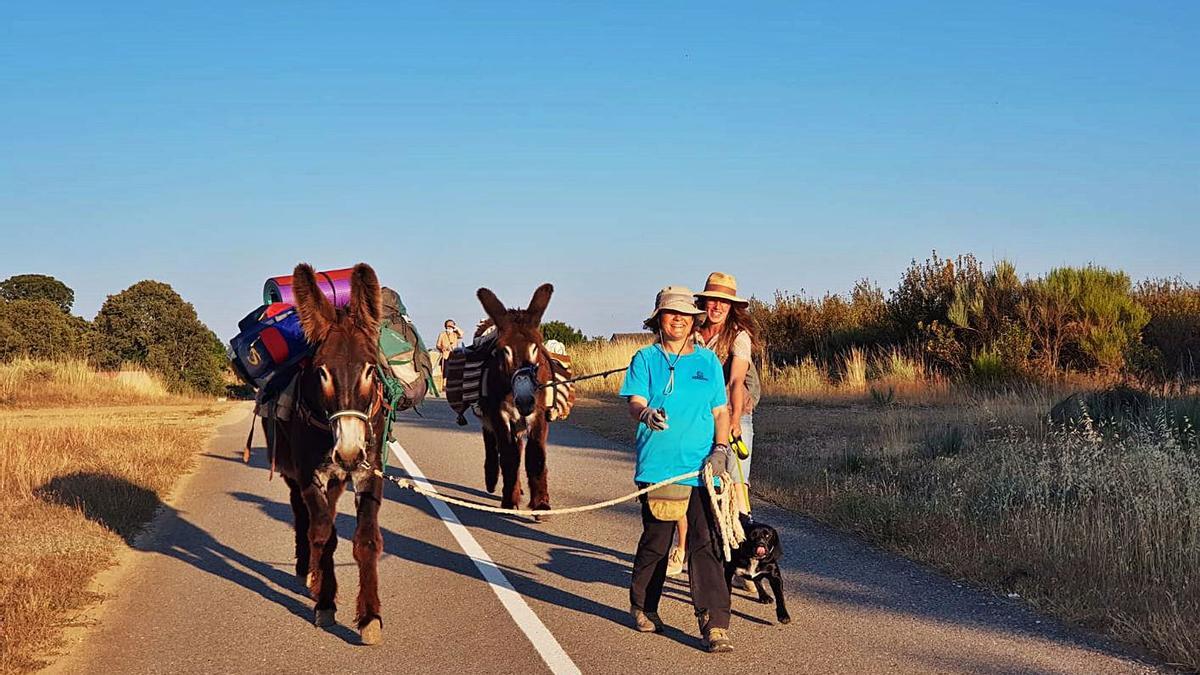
(270, 340)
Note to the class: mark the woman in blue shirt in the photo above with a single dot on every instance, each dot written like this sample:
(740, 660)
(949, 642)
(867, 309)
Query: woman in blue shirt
(676, 392)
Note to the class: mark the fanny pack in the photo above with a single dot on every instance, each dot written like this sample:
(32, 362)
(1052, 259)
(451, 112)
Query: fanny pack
(669, 502)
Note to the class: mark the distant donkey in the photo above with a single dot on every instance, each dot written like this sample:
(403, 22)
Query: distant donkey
(514, 413)
(337, 425)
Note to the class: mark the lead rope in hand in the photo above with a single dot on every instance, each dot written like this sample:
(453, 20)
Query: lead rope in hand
(725, 512)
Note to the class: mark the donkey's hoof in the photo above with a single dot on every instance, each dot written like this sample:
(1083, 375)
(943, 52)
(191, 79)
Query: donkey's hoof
(372, 633)
(325, 618)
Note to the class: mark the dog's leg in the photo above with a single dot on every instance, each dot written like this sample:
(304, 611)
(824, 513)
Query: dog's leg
(763, 597)
(781, 612)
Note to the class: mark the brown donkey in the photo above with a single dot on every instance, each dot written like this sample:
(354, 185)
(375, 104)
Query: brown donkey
(514, 414)
(337, 425)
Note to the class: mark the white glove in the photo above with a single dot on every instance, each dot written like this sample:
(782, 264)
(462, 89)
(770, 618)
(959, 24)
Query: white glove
(655, 418)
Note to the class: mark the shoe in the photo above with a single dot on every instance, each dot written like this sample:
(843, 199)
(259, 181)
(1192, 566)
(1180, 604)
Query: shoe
(675, 561)
(713, 639)
(646, 622)
(717, 640)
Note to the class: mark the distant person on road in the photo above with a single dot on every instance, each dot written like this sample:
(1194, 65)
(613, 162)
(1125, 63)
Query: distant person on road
(449, 339)
(676, 392)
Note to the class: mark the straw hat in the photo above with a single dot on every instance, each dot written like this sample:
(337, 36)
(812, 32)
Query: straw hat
(676, 299)
(722, 286)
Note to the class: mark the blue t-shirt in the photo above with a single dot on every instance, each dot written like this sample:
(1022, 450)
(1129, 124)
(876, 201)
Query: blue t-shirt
(699, 387)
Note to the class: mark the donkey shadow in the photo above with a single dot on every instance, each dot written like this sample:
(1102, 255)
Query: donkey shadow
(429, 555)
(126, 508)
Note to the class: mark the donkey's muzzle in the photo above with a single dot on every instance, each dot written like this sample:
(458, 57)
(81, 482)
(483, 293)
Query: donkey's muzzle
(524, 389)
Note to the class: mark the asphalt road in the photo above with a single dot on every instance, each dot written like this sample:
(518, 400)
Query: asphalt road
(210, 588)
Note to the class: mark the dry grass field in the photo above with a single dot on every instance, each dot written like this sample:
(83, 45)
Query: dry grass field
(86, 460)
(1098, 524)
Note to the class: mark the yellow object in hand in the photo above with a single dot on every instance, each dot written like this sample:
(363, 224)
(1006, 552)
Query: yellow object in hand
(739, 447)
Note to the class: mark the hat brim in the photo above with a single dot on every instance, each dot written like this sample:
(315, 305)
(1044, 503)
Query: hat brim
(682, 308)
(722, 296)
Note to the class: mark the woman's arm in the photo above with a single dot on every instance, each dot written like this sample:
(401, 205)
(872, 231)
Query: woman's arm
(721, 425)
(737, 393)
(636, 405)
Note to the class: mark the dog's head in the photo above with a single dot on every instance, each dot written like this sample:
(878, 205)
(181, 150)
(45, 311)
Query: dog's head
(762, 541)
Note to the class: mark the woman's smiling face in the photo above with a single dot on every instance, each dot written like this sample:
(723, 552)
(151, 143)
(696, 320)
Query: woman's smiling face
(717, 310)
(675, 325)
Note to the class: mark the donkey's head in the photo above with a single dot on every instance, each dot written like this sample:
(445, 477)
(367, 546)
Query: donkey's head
(519, 350)
(343, 382)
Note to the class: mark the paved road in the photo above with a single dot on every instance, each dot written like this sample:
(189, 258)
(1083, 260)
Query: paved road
(212, 590)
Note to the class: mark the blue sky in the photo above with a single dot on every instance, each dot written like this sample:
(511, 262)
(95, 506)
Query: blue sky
(609, 148)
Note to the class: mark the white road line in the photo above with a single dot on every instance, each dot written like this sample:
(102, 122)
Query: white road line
(539, 636)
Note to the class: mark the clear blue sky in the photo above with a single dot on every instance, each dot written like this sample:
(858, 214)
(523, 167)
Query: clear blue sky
(608, 148)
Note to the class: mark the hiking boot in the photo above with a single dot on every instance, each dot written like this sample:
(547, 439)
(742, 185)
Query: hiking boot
(646, 622)
(713, 639)
(675, 561)
(717, 640)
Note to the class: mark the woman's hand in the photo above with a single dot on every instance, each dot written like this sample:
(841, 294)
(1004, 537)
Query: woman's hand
(718, 459)
(735, 427)
(655, 418)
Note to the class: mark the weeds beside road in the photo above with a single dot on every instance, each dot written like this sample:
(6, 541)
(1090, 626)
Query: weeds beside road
(85, 461)
(1099, 526)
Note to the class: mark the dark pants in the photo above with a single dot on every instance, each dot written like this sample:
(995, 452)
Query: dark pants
(706, 572)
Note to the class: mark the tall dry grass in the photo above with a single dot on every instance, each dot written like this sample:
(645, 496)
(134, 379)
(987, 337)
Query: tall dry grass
(857, 373)
(1098, 526)
(77, 483)
(596, 357)
(27, 383)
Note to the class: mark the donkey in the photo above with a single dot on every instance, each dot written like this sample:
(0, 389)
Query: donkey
(336, 427)
(513, 414)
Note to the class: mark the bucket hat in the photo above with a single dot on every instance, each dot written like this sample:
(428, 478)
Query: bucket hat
(676, 299)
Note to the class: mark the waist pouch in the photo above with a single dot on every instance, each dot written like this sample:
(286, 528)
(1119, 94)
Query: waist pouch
(669, 502)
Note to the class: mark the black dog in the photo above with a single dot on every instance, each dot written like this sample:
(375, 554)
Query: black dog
(758, 559)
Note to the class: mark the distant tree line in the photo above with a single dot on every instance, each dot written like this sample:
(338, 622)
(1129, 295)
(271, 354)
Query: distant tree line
(148, 325)
(965, 319)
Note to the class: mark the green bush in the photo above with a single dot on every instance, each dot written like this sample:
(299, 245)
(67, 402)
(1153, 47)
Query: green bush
(40, 329)
(564, 333)
(38, 287)
(1097, 318)
(148, 324)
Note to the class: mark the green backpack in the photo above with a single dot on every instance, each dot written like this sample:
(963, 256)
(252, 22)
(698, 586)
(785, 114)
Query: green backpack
(405, 352)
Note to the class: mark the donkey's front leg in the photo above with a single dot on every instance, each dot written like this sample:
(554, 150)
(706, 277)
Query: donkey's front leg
(368, 544)
(510, 467)
(322, 542)
(535, 469)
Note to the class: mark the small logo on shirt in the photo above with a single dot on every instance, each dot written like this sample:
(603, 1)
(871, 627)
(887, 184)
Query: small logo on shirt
(700, 376)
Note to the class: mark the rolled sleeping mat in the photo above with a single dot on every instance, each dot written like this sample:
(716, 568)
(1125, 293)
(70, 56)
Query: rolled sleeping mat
(334, 284)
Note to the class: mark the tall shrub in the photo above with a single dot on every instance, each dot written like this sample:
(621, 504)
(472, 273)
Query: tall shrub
(38, 287)
(150, 325)
(40, 329)
(1086, 317)
(1173, 331)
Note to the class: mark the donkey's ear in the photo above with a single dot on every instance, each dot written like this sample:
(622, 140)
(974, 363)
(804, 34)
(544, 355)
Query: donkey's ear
(316, 312)
(537, 304)
(492, 305)
(366, 298)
